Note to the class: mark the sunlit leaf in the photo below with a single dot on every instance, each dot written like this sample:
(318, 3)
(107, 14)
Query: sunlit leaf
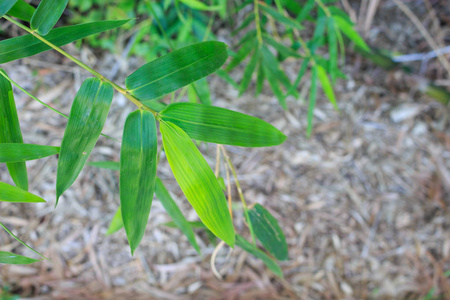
(176, 69)
(47, 14)
(27, 45)
(197, 181)
(11, 152)
(175, 213)
(5, 6)
(22, 10)
(15, 259)
(116, 223)
(10, 131)
(267, 230)
(347, 29)
(269, 262)
(87, 116)
(222, 126)
(326, 85)
(9, 193)
(137, 173)
(196, 4)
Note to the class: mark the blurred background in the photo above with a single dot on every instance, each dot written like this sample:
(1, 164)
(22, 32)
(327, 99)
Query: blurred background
(363, 202)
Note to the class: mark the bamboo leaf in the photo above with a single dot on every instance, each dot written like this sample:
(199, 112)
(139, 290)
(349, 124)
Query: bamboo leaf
(259, 78)
(11, 153)
(197, 181)
(326, 85)
(5, 6)
(10, 131)
(273, 66)
(111, 165)
(201, 89)
(27, 45)
(242, 53)
(175, 213)
(347, 29)
(222, 126)
(275, 86)
(224, 75)
(312, 100)
(20, 241)
(281, 49)
(9, 193)
(196, 4)
(15, 259)
(280, 18)
(176, 69)
(116, 223)
(137, 173)
(333, 48)
(87, 116)
(22, 10)
(269, 262)
(248, 72)
(47, 14)
(306, 9)
(268, 231)
(301, 72)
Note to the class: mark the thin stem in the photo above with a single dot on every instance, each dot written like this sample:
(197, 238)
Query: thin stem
(258, 23)
(81, 64)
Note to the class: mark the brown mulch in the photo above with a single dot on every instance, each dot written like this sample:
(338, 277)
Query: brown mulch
(364, 202)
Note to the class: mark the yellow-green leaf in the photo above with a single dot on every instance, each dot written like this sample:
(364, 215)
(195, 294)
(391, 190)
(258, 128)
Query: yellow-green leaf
(15, 259)
(137, 173)
(10, 131)
(176, 69)
(222, 126)
(326, 85)
(86, 119)
(11, 152)
(116, 222)
(9, 193)
(47, 14)
(197, 181)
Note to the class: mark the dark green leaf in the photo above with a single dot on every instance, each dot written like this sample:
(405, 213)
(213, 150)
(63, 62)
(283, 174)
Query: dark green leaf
(175, 213)
(197, 181)
(47, 14)
(301, 72)
(268, 231)
(347, 29)
(247, 21)
(319, 34)
(269, 262)
(273, 66)
(22, 10)
(273, 82)
(259, 79)
(11, 152)
(248, 72)
(280, 18)
(154, 104)
(116, 223)
(281, 49)
(176, 69)
(137, 173)
(86, 119)
(9, 193)
(15, 259)
(10, 131)
(306, 9)
(28, 45)
(222, 126)
(312, 100)
(111, 165)
(326, 85)
(333, 48)
(5, 6)
(243, 52)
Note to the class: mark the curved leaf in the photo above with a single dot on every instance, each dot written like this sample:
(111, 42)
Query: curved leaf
(9, 193)
(222, 126)
(10, 152)
(5, 6)
(22, 10)
(137, 173)
(15, 259)
(10, 131)
(86, 119)
(176, 69)
(197, 181)
(27, 45)
(47, 14)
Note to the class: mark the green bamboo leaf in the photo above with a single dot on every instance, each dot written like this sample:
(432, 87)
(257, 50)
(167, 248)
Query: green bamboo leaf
(326, 85)
(87, 116)
(176, 69)
(15, 259)
(9, 193)
(175, 213)
(319, 33)
(28, 45)
(312, 100)
(259, 79)
(250, 18)
(281, 49)
(20, 241)
(333, 48)
(10, 131)
(242, 53)
(116, 223)
(11, 152)
(280, 18)
(111, 165)
(196, 4)
(5, 6)
(301, 72)
(268, 231)
(222, 126)
(269, 262)
(275, 86)
(248, 72)
(137, 173)
(47, 14)
(306, 9)
(201, 89)
(224, 75)
(197, 181)
(22, 10)
(273, 66)
(347, 29)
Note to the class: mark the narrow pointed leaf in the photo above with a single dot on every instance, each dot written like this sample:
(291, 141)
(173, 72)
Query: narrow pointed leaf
(281, 49)
(15, 259)
(20, 241)
(275, 86)
(222, 126)
(269, 262)
(27, 45)
(111, 165)
(259, 78)
(9, 193)
(248, 72)
(301, 72)
(273, 66)
(5, 6)
(197, 181)
(116, 223)
(176, 69)
(87, 116)
(326, 85)
(175, 213)
(10, 131)
(11, 152)
(268, 232)
(351, 33)
(306, 9)
(22, 10)
(47, 14)
(280, 18)
(137, 173)
(333, 48)
(312, 100)
(243, 52)
(225, 76)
